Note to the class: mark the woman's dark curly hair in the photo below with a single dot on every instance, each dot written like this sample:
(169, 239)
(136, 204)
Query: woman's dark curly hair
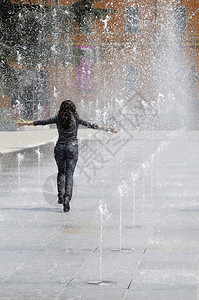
(66, 111)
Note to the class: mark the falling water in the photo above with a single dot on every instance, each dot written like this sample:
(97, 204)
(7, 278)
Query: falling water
(20, 158)
(104, 215)
(101, 240)
(38, 163)
(134, 177)
(143, 189)
(157, 168)
(120, 192)
(152, 172)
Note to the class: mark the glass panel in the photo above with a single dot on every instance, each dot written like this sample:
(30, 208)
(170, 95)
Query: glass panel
(85, 69)
(132, 19)
(180, 14)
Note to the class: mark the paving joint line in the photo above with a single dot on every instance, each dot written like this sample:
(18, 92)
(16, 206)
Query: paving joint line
(68, 283)
(73, 277)
(43, 247)
(138, 264)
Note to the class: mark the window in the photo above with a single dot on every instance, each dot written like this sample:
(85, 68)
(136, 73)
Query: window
(85, 69)
(132, 20)
(180, 15)
(132, 80)
(85, 25)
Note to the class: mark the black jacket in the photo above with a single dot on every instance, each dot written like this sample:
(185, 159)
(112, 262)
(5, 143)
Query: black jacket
(66, 134)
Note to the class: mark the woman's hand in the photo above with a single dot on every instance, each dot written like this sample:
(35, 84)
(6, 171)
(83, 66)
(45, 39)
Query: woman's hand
(20, 123)
(111, 129)
(108, 128)
(23, 123)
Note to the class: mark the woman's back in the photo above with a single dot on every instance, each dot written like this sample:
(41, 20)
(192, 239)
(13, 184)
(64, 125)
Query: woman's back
(66, 132)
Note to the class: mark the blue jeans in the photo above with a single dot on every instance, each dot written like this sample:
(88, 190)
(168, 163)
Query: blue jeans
(66, 156)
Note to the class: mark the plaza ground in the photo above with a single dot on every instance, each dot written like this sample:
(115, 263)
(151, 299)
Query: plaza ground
(133, 229)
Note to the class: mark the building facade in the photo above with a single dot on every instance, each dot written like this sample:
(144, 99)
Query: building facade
(125, 57)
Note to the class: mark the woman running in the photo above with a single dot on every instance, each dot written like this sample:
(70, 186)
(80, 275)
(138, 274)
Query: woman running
(66, 149)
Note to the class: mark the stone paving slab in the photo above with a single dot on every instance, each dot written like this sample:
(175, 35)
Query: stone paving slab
(132, 232)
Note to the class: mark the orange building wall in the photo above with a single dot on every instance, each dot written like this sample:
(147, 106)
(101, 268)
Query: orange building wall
(110, 75)
(118, 48)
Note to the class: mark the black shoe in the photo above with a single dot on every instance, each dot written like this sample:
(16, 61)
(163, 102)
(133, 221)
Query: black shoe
(66, 206)
(60, 201)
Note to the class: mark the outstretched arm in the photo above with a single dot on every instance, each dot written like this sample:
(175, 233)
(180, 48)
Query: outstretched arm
(51, 120)
(24, 123)
(95, 126)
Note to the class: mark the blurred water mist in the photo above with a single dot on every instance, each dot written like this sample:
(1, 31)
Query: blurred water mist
(164, 98)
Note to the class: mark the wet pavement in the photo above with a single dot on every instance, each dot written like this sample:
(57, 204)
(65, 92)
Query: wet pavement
(133, 228)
